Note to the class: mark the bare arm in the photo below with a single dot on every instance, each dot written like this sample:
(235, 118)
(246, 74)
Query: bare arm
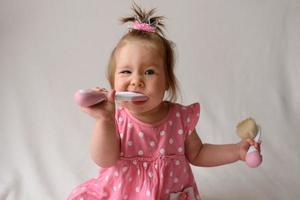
(209, 155)
(105, 144)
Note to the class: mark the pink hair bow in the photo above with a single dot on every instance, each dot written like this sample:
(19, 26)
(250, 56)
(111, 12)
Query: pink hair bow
(143, 27)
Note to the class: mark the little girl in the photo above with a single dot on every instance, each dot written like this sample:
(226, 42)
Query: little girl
(144, 148)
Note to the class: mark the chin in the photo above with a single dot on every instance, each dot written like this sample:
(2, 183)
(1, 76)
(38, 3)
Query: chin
(138, 108)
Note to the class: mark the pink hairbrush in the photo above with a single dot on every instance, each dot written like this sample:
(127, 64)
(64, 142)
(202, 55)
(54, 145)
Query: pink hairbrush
(88, 97)
(249, 129)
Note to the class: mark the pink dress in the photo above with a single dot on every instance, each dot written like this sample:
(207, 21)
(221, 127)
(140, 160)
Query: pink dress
(152, 163)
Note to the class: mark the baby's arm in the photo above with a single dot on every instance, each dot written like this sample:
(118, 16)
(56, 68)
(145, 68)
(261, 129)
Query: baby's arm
(209, 155)
(105, 144)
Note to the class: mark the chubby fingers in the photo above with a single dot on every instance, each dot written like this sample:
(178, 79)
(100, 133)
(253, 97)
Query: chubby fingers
(255, 144)
(100, 89)
(111, 96)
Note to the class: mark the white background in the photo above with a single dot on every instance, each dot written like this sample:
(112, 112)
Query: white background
(237, 58)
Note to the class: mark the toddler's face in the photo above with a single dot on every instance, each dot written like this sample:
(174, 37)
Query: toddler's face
(140, 68)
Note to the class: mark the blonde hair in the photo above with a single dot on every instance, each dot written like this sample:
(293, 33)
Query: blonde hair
(157, 38)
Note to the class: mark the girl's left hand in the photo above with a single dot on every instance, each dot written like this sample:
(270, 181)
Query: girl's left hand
(244, 146)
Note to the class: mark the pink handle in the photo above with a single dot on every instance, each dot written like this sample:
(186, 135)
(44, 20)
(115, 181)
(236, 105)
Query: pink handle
(86, 98)
(253, 158)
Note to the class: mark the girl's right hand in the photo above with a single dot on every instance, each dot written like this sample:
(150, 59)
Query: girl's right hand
(244, 146)
(104, 110)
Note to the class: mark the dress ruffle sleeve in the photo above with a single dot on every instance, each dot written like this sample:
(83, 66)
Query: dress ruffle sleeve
(192, 117)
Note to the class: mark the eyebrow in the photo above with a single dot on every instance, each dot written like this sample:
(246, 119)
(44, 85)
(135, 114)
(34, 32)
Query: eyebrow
(152, 65)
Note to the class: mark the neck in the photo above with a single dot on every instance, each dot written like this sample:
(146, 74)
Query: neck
(154, 115)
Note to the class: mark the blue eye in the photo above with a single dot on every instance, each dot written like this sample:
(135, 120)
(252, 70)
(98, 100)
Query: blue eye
(149, 72)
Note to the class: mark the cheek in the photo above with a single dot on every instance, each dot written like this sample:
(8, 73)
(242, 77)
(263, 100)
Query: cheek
(117, 83)
(163, 85)
(159, 90)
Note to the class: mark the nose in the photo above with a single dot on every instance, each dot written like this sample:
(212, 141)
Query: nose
(137, 82)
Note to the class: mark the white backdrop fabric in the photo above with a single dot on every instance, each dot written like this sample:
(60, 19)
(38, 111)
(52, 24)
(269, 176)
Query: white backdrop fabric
(237, 58)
